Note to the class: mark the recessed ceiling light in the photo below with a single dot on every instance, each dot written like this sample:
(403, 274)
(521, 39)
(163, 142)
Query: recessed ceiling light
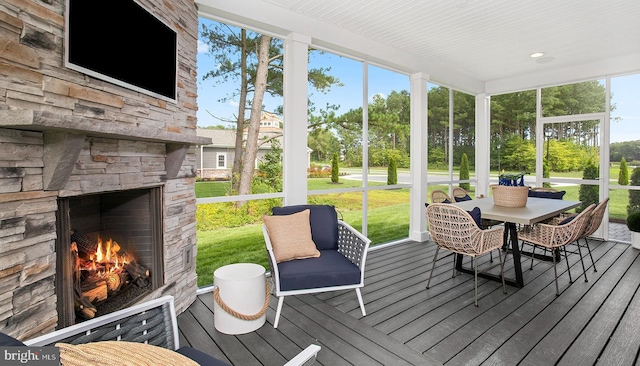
(536, 54)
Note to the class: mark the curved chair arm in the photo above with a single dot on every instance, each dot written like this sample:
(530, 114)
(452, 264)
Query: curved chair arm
(352, 244)
(271, 256)
(491, 239)
(595, 218)
(554, 236)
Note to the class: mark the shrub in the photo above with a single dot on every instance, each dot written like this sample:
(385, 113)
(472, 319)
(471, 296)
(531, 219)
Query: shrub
(464, 171)
(623, 175)
(634, 196)
(589, 193)
(633, 222)
(335, 169)
(392, 171)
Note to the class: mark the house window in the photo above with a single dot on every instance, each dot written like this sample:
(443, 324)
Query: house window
(221, 161)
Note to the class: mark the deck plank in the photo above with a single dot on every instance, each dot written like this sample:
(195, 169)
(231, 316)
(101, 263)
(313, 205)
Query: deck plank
(557, 341)
(542, 313)
(406, 324)
(516, 313)
(586, 348)
(624, 345)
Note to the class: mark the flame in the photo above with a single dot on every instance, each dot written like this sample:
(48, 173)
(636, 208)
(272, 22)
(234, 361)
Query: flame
(107, 255)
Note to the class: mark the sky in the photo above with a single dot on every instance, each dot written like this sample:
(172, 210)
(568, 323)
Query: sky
(625, 90)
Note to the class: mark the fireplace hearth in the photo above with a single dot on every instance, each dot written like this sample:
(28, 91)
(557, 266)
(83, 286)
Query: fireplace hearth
(111, 251)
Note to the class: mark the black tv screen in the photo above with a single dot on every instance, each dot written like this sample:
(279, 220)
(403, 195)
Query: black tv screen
(121, 42)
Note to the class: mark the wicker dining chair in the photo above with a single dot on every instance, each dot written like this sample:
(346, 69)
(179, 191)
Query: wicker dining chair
(595, 220)
(453, 229)
(440, 196)
(460, 194)
(556, 237)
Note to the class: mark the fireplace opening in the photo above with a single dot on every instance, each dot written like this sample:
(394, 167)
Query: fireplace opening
(109, 252)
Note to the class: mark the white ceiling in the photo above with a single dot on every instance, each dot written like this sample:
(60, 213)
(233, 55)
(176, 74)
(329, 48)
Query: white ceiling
(484, 42)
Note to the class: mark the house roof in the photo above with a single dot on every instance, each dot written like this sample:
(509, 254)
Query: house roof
(227, 138)
(471, 45)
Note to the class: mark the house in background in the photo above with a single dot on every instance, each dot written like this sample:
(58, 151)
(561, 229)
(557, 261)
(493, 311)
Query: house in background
(215, 161)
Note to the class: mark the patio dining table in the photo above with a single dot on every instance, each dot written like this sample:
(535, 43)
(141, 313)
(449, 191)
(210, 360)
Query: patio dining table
(536, 210)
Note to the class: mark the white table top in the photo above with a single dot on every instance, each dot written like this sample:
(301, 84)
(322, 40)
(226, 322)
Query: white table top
(537, 209)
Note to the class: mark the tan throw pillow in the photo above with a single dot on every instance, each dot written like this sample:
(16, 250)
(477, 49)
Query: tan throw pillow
(119, 353)
(290, 236)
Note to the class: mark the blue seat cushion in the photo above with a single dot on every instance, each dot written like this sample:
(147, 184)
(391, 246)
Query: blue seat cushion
(323, 220)
(7, 340)
(330, 269)
(200, 357)
(552, 195)
(461, 199)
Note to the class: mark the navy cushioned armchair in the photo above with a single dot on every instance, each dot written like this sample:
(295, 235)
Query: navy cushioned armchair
(340, 266)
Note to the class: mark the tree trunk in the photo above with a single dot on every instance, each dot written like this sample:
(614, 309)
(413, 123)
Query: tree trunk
(242, 105)
(251, 149)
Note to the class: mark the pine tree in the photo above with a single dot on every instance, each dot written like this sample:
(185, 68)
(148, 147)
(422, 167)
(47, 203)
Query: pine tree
(623, 175)
(589, 193)
(634, 195)
(392, 171)
(335, 169)
(464, 171)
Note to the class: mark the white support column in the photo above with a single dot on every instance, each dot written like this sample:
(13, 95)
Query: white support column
(419, 103)
(540, 139)
(295, 119)
(483, 144)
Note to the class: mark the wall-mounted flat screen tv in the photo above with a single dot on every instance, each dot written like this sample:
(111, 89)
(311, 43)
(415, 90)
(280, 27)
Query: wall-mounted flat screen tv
(121, 42)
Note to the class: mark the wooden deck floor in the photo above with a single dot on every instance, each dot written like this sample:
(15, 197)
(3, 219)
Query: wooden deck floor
(590, 322)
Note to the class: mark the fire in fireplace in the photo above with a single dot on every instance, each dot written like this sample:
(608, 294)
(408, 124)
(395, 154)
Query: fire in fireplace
(110, 248)
(103, 275)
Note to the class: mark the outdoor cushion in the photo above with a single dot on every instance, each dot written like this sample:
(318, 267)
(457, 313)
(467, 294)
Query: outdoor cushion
(291, 236)
(477, 216)
(461, 199)
(552, 195)
(324, 223)
(330, 269)
(7, 340)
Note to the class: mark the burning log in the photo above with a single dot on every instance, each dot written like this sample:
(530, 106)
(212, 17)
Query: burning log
(83, 306)
(139, 274)
(114, 280)
(85, 245)
(95, 292)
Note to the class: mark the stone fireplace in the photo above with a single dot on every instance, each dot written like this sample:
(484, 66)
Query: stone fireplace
(73, 150)
(109, 252)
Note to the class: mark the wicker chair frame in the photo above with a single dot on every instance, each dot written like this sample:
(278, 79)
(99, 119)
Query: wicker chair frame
(595, 220)
(556, 237)
(452, 228)
(459, 192)
(439, 196)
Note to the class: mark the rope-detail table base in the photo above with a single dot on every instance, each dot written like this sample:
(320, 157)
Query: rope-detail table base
(225, 307)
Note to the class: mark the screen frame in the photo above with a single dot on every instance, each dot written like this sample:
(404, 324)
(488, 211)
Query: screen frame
(98, 75)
